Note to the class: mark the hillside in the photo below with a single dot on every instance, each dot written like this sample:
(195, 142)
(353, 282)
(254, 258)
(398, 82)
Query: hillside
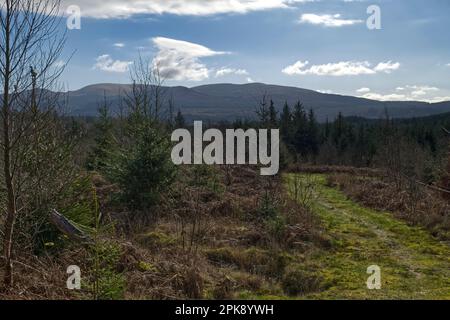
(231, 101)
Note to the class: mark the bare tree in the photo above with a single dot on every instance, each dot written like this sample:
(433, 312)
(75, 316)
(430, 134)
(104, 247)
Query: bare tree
(31, 41)
(148, 95)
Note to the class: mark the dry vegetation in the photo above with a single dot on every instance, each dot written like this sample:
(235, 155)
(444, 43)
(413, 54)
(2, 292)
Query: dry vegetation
(408, 200)
(218, 233)
(326, 169)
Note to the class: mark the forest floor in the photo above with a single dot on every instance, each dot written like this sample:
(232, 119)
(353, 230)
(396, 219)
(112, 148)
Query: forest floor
(413, 264)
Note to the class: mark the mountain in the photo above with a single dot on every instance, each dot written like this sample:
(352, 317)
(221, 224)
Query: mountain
(230, 101)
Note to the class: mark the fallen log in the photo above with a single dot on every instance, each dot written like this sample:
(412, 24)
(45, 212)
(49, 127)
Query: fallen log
(68, 228)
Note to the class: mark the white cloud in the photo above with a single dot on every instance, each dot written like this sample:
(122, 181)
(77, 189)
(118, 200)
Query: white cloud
(227, 71)
(123, 9)
(296, 68)
(119, 45)
(343, 68)
(327, 20)
(439, 99)
(363, 90)
(180, 60)
(387, 67)
(385, 97)
(419, 91)
(326, 91)
(408, 93)
(106, 63)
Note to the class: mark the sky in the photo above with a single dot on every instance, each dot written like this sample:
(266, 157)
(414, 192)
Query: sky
(324, 45)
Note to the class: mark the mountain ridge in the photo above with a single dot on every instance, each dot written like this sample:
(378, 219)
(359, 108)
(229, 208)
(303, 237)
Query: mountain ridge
(227, 101)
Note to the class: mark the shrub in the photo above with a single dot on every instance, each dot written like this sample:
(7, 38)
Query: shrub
(302, 189)
(207, 177)
(277, 227)
(296, 282)
(106, 282)
(193, 283)
(267, 206)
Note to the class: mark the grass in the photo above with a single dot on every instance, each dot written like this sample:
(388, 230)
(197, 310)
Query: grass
(315, 249)
(413, 264)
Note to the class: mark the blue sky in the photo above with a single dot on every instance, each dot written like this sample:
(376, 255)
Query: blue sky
(321, 45)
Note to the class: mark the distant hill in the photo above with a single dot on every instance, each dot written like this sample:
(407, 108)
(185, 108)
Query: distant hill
(230, 101)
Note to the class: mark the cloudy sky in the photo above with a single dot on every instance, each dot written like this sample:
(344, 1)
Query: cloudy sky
(323, 45)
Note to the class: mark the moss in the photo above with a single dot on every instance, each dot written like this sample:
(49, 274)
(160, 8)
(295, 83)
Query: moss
(156, 238)
(146, 267)
(413, 264)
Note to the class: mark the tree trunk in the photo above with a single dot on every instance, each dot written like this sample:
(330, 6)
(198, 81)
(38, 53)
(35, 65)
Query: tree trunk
(11, 207)
(11, 202)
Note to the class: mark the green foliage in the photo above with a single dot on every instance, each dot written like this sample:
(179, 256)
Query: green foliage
(136, 156)
(300, 130)
(78, 205)
(273, 115)
(277, 227)
(106, 282)
(358, 142)
(144, 170)
(100, 156)
(267, 206)
(146, 267)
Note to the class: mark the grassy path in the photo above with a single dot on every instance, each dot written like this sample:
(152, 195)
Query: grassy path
(413, 264)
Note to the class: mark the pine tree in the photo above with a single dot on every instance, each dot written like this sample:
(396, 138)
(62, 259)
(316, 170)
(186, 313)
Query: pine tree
(313, 133)
(273, 115)
(286, 123)
(101, 154)
(179, 120)
(327, 129)
(300, 130)
(263, 112)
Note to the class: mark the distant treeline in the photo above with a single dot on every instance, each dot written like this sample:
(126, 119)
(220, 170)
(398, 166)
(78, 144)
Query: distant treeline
(409, 146)
(413, 146)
